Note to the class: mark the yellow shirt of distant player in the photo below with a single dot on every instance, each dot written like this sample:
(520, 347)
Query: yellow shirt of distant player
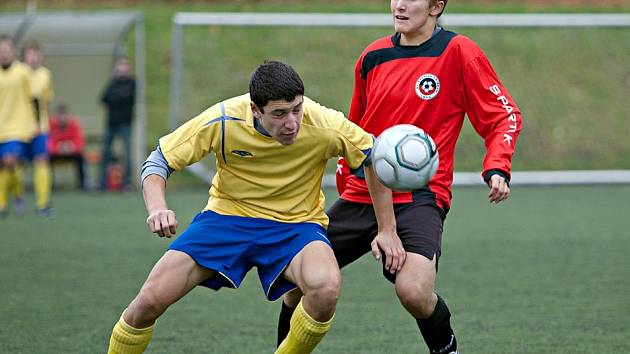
(42, 90)
(256, 175)
(17, 117)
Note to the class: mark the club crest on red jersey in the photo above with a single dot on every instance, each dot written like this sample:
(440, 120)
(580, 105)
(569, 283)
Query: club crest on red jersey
(427, 86)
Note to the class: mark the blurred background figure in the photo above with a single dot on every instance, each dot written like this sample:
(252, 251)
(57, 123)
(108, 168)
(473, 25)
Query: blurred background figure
(42, 94)
(17, 121)
(118, 98)
(66, 142)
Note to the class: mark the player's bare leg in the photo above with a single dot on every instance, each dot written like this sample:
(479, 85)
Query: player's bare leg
(415, 289)
(172, 277)
(317, 274)
(290, 301)
(414, 285)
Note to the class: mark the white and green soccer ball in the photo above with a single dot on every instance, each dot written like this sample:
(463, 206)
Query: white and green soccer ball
(405, 158)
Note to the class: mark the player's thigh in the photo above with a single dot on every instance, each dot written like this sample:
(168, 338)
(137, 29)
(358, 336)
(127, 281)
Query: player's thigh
(173, 276)
(351, 229)
(419, 227)
(417, 275)
(314, 267)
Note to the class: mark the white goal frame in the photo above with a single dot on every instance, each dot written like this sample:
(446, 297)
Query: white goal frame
(567, 177)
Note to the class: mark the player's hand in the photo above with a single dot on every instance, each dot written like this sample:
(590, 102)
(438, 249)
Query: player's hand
(162, 222)
(393, 249)
(499, 189)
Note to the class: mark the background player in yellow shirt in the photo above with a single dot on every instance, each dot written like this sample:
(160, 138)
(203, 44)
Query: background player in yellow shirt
(266, 207)
(17, 119)
(42, 94)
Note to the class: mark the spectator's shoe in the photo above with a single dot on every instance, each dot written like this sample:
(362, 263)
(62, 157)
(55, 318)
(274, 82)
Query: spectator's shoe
(45, 212)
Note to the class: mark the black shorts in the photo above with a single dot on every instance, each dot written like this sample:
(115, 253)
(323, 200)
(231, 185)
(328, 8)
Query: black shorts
(353, 226)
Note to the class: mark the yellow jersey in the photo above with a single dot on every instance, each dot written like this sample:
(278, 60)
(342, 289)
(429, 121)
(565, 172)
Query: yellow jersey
(42, 90)
(17, 116)
(256, 176)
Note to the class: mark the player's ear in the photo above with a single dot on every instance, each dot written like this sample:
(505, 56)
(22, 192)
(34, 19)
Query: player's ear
(437, 8)
(255, 109)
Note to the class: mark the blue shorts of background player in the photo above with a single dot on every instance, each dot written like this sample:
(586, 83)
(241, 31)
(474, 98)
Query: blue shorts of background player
(38, 147)
(232, 245)
(13, 148)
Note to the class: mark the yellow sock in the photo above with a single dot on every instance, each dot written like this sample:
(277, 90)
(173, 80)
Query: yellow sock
(16, 184)
(42, 182)
(305, 333)
(129, 340)
(4, 189)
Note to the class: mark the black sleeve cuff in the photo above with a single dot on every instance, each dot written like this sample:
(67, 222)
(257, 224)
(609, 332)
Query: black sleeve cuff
(491, 173)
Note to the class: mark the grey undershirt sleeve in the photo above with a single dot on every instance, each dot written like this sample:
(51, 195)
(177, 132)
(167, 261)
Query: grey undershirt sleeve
(155, 164)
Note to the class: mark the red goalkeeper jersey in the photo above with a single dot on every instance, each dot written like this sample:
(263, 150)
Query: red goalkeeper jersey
(433, 86)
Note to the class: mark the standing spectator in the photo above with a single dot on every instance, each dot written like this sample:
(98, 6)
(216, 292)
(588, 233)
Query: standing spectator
(119, 99)
(17, 119)
(42, 93)
(66, 142)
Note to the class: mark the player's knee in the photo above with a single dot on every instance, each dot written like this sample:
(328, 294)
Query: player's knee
(327, 296)
(326, 293)
(418, 301)
(9, 162)
(146, 307)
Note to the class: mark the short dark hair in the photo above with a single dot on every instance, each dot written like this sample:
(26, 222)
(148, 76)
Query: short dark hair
(123, 57)
(31, 44)
(7, 38)
(272, 81)
(62, 108)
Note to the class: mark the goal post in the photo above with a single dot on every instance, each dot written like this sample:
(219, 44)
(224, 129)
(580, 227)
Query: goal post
(617, 171)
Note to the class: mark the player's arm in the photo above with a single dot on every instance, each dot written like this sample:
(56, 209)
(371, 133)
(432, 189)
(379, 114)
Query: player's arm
(352, 143)
(183, 147)
(386, 239)
(497, 119)
(155, 172)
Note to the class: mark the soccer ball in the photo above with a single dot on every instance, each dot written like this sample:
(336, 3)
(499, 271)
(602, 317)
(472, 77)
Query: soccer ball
(404, 158)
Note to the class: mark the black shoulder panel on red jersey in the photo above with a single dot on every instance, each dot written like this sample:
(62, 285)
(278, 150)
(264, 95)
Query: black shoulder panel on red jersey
(434, 47)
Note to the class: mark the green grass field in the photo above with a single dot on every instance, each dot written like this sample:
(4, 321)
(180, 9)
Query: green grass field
(547, 272)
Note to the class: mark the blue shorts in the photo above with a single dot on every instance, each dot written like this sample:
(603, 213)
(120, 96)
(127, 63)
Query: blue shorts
(13, 147)
(232, 245)
(37, 146)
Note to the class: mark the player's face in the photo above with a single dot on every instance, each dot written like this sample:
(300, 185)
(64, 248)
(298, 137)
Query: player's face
(282, 119)
(7, 53)
(33, 58)
(415, 17)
